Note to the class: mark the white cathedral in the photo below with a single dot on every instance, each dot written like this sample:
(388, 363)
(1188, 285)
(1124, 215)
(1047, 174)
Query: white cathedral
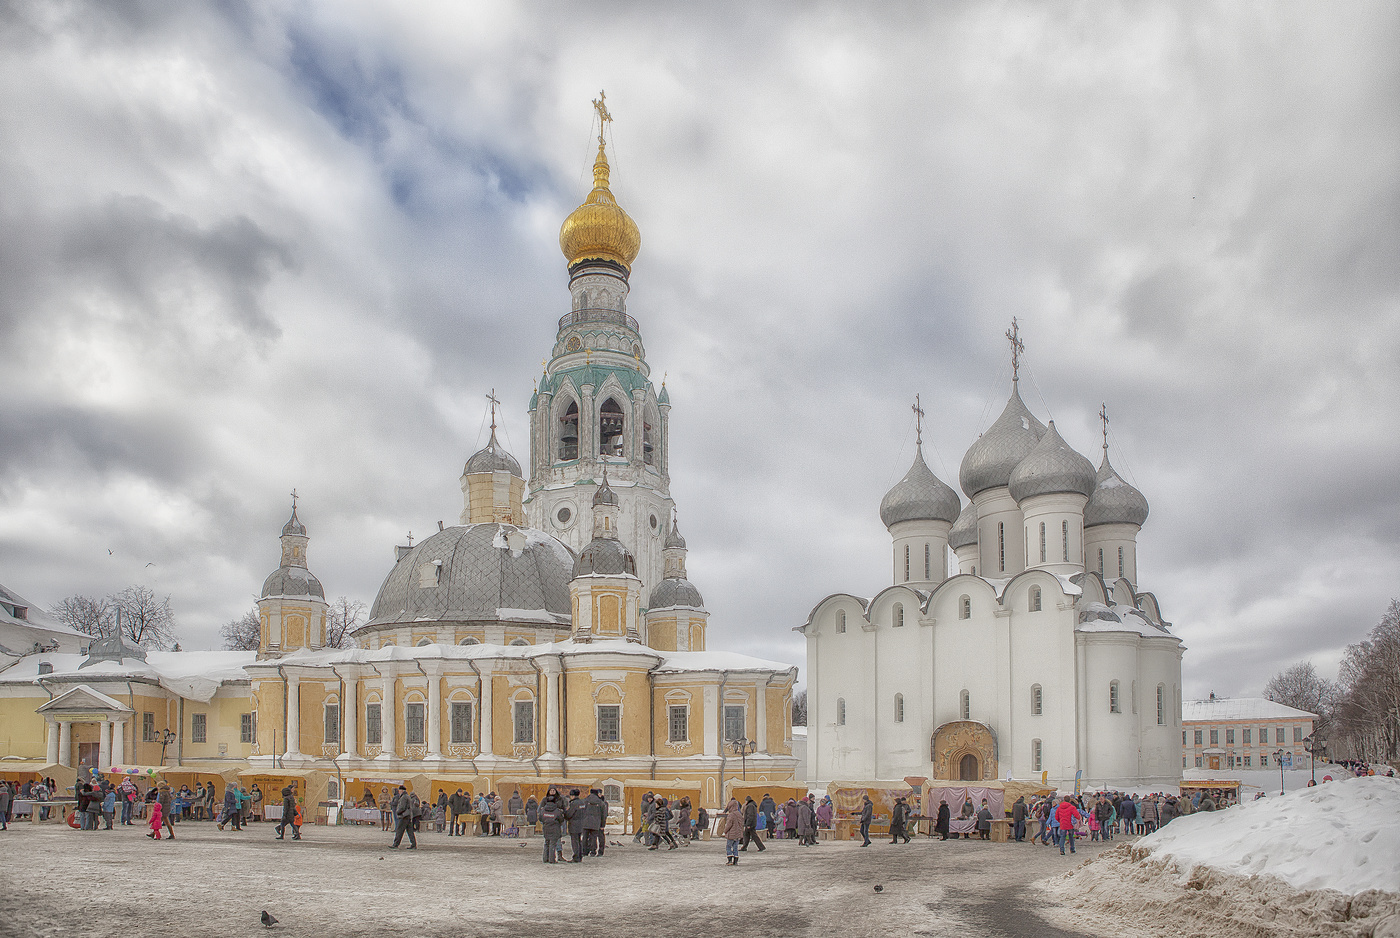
(1040, 658)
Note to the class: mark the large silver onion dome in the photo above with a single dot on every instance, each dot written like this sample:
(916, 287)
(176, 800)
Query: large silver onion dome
(1053, 467)
(296, 582)
(964, 531)
(675, 591)
(492, 458)
(919, 496)
(990, 461)
(1114, 501)
(606, 556)
(478, 572)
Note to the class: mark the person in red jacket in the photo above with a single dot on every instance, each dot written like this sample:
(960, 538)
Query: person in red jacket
(1068, 816)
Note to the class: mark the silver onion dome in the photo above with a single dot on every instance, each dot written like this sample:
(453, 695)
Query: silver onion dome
(990, 461)
(1053, 467)
(1114, 501)
(675, 591)
(919, 496)
(492, 458)
(964, 531)
(674, 541)
(294, 525)
(295, 582)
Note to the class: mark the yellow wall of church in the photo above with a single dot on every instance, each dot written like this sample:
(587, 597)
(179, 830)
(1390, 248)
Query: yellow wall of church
(661, 634)
(22, 731)
(779, 713)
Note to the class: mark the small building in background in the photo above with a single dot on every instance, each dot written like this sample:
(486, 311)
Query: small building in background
(1244, 733)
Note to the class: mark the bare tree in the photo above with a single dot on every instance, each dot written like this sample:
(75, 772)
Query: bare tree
(1302, 687)
(343, 617)
(146, 619)
(243, 634)
(1368, 713)
(95, 617)
(799, 708)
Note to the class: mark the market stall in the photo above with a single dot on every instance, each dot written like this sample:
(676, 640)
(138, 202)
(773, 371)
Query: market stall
(633, 790)
(847, 799)
(1223, 791)
(780, 792)
(309, 787)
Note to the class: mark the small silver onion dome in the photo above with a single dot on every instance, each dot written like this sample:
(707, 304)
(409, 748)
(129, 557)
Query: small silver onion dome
(294, 525)
(675, 591)
(964, 531)
(492, 458)
(607, 556)
(292, 581)
(674, 541)
(1052, 467)
(1114, 501)
(605, 495)
(920, 496)
(990, 461)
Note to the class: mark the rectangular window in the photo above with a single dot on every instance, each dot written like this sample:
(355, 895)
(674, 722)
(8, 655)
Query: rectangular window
(1263, 760)
(1035, 755)
(148, 727)
(677, 724)
(1001, 546)
(1183, 737)
(413, 734)
(460, 717)
(245, 728)
(1215, 737)
(733, 723)
(1248, 736)
(1183, 762)
(1162, 706)
(1297, 734)
(1198, 762)
(906, 563)
(609, 723)
(1037, 699)
(1246, 761)
(1230, 737)
(1042, 542)
(524, 712)
(1263, 736)
(1100, 560)
(1278, 735)
(199, 727)
(1120, 561)
(1064, 537)
(1113, 704)
(374, 729)
(332, 723)
(1198, 737)
(928, 562)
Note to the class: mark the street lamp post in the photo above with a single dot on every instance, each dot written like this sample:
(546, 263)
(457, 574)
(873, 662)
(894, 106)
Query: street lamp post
(1278, 757)
(1314, 748)
(743, 748)
(165, 740)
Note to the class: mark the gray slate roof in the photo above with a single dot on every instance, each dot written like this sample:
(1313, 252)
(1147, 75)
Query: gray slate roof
(990, 461)
(964, 530)
(604, 555)
(1052, 467)
(492, 458)
(481, 575)
(920, 496)
(675, 591)
(1114, 501)
(296, 582)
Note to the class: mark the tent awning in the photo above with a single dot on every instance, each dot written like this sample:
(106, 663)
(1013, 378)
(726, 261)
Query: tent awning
(279, 773)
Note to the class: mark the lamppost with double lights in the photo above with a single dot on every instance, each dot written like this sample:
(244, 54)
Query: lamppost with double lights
(744, 748)
(1278, 757)
(1314, 748)
(165, 740)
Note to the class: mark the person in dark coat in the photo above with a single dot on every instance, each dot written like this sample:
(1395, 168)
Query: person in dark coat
(593, 824)
(551, 813)
(403, 810)
(458, 805)
(899, 818)
(1018, 819)
(643, 820)
(532, 812)
(941, 825)
(751, 826)
(577, 813)
(769, 809)
(289, 811)
(867, 812)
(984, 821)
(231, 814)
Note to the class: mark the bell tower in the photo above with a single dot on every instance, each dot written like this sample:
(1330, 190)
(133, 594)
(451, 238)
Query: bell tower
(292, 607)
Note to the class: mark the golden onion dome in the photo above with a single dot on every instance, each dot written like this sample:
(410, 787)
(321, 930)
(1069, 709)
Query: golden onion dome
(599, 229)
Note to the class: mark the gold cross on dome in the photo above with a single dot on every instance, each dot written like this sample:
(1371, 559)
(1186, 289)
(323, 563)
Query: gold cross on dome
(918, 422)
(600, 105)
(1017, 347)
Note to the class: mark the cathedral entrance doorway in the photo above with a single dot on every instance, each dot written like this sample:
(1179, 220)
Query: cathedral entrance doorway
(964, 751)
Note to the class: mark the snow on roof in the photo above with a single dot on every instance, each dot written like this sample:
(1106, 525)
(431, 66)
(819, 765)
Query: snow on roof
(196, 675)
(1239, 708)
(1339, 835)
(12, 603)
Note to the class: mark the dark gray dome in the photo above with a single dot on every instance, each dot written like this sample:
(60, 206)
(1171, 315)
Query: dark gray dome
(675, 591)
(296, 582)
(294, 525)
(964, 530)
(1053, 467)
(478, 572)
(605, 495)
(1114, 501)
(919, 496)
(990, 461)
(605, 555)
(674, 541)
(492, 458)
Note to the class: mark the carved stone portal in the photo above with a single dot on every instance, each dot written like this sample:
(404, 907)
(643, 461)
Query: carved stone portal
(964, 750)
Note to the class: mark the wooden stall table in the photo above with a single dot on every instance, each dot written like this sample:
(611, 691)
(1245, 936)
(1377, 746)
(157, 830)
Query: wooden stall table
(844, 830)
(1001, 830)
(356, 815)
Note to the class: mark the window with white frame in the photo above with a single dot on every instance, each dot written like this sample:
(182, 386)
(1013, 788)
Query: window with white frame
(524, 721)
(331, 723)
(374, 728)
(1114, 704)
(1197, 739)
(459, 717)
(733, 722)
(1162, 706)
(1229, 736)
(1035, 755)
(1036, 701)
(245, 728)
(965, 607)
(609, 723)
(1034, 602)
(1248, 735)
(677, 723)
(928, 562)
(965, 705)
(1042, 542)
(1247, 761)
(899, 708)
(840, 711)
(1214, 737)
(1278, 736)
(199, 727)
(1064, 539)
(841, 621)
(898, 615)
(413, 724)
(906, 563)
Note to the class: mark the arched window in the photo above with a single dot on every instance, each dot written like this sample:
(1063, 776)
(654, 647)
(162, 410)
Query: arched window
(1162, 705)
(519, 641)
(965, 607)
(1064, 538)
(1120, 561)
(1001, 546)
(928, 562)
(840, 711)
(841, 621)
(965, 705)
(568, 432)
(424, 641)
(1114, 705)
(899, 708)
(1036, 699)
(648, 447)
(898, 615)
(1100, 560)
(1035, 755)
(1033, 603)
(906, 563)
(469, 641)
(611, 424)
(1042, 542)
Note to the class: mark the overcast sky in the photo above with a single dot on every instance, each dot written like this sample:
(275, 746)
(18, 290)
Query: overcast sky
(246, 247)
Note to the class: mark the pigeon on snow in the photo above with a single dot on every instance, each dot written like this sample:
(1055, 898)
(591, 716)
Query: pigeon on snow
(267, 920)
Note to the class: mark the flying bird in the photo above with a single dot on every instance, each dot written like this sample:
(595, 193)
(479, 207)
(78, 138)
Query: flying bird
(151, 564)
(267, 920)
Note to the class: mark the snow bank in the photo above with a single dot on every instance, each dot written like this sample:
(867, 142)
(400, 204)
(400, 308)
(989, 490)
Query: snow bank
(1340, 835)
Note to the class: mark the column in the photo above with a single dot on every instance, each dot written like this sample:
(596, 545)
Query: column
(293, 715)
(53, 742)
(104, 746)
(119, 743)
(434, 733)
(65, 743)
(762, 717)
(388, 719)
(349, 711)
(551, 713)
(484, 705)
(712, 721)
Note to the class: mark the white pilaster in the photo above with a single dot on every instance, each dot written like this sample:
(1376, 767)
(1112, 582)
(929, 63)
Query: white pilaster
(434, 717)
(551, 713)
(53, 734)
(119, 756)
(762, 718)
(388, 719)
(104, 746)
(65, 743)
(712, 721)
(293, 715)
(485, 696)
(349, 713)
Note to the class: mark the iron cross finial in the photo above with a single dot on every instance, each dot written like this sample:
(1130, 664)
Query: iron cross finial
(1103, 416)
(494, 403)
(294, 499)
(918, 422)
(410, 538)
(1017, 347)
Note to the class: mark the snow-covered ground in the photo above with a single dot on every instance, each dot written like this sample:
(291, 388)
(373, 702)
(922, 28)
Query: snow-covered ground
(1314, 862)
(1253, 781)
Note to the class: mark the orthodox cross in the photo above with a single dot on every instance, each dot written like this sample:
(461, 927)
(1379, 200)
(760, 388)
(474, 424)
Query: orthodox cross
(918, 422)
(410, 538)
(294, 499)
(1103, 415)
(604, 118)
(1017, 347)
(494, 402)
